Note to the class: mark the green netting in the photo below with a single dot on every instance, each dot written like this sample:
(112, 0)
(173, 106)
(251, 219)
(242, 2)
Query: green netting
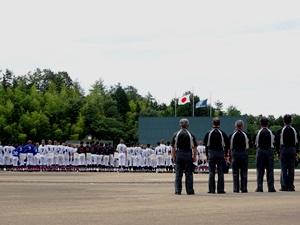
(153, 129)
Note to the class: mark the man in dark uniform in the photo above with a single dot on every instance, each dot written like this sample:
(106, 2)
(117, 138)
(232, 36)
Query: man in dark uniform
(81, 148)
(184, 154)
(216, 143)
(264, 142)
(287, 146)
(239, 144)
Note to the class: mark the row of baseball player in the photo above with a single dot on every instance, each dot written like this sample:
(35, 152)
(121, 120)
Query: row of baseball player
(100, 155)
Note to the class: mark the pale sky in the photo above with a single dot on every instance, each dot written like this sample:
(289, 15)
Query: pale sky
(243, 53)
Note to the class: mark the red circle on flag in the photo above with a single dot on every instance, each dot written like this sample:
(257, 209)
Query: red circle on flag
(184, 99)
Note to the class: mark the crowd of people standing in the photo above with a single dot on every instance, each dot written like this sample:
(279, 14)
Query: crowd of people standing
(184, 155)
(90, 156)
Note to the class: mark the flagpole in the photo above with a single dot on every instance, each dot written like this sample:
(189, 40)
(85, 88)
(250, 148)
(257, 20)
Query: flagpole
(175, 106)
(193, 105)
(210, 104)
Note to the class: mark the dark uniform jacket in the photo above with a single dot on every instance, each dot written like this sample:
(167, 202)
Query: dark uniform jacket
(289, 138)
(238, 141)
(183, 140)
(265, 139)
(215, 142)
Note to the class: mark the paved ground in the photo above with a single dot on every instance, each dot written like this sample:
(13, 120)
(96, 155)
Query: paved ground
(135, 199)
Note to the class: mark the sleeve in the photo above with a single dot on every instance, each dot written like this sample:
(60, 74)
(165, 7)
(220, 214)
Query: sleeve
(254, 140)
(297, 145)
(227, 145)
(194, 141)
(173, 141)
(229, 138)
(250, 141)
(205, 140)
(35, 150)
(277, 141)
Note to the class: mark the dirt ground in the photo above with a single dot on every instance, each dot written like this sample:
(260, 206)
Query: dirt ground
(137, 199)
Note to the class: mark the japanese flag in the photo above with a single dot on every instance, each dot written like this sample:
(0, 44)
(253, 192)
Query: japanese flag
(184, 99)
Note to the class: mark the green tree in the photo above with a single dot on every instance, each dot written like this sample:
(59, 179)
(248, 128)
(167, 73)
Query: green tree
(233, 111)
(119, 95)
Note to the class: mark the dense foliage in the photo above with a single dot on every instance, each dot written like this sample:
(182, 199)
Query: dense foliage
(48, 105)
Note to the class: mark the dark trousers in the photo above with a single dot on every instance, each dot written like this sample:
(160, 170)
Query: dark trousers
(240, 170)
(215, 162)
(184, 164)
(265, 161)
(287, 161)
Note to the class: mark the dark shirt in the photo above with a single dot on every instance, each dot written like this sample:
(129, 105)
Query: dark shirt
(87, 149)
(265, 139)
(183, 140)
(288, 138)
(216, 141)
(93, 149)
(106, 150)
(101, 150)
(111, 149)
(239, 141)
(81, 149)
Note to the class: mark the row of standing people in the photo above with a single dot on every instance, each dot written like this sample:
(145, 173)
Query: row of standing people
(234, 148)
(91, 154)
(54, 153)
(158, 158)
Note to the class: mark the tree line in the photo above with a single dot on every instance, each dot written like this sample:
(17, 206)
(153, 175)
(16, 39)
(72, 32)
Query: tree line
(44, 104)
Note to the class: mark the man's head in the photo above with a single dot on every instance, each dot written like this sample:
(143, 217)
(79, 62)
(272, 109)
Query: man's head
(287, 119)
(216, 122)
(121, 141)
(184, 123)
(264, 122)
(239, 124)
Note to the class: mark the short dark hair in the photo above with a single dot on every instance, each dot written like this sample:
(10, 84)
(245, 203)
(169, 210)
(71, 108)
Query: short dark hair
(264, 121)
(287, 119)
(239, 124)
(216, 122)
(184, 123)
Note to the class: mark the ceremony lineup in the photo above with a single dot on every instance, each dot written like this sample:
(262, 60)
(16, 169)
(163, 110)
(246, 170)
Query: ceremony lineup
(149, 112)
